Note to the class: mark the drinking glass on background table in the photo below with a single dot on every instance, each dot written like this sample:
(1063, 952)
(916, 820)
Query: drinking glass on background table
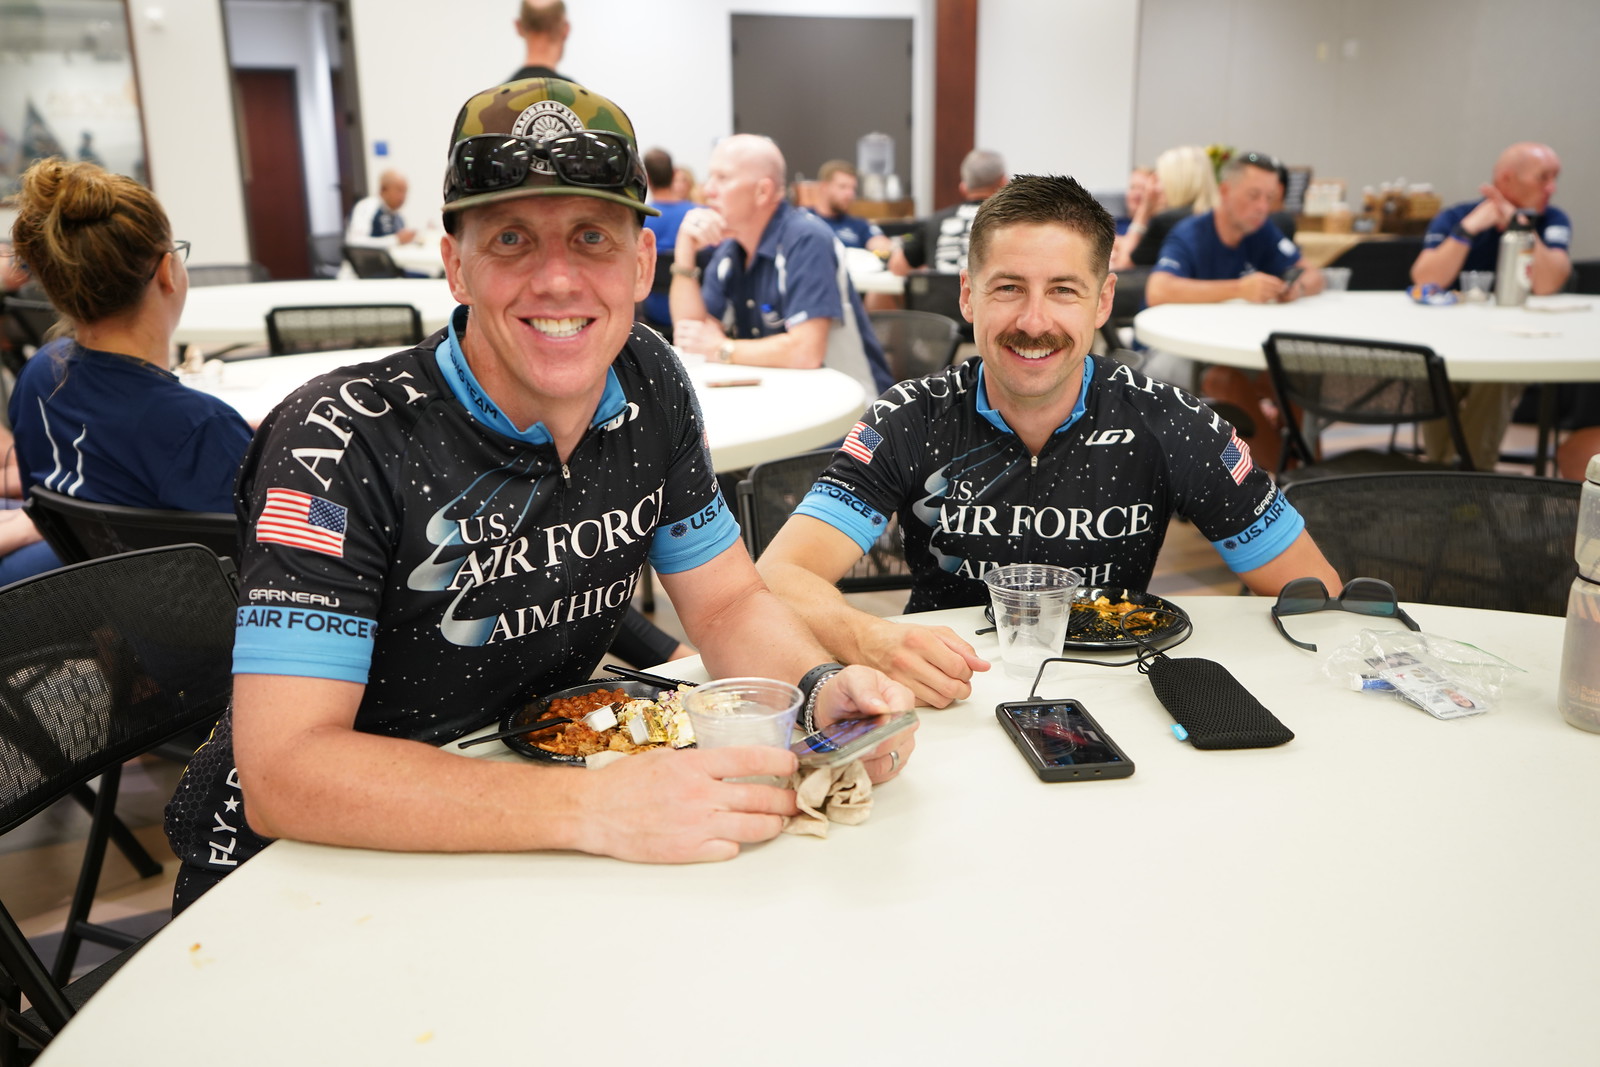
(1338, 278)
(1031, 604)
(743, 711)
(1475, 285)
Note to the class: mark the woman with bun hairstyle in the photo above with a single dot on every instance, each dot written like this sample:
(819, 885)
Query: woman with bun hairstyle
(97, 414)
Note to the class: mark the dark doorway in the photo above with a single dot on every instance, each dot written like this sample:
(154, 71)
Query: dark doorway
(274, 174)
(816, 85)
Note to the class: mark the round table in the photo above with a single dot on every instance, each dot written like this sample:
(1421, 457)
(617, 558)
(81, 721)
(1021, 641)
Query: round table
(421, 256)
(778, 413)
(237, 314)
(1479, 342)
(1384, 889)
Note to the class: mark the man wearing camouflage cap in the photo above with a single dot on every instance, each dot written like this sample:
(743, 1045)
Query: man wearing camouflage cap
(434, 538)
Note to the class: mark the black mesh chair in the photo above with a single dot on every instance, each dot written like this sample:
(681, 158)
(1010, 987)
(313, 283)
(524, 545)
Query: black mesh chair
(1372, 383)
(228, 274)
(99, 663)
(31, 319)
(769, 496)
(326, 328)
(1473, 539)
(916, 343)
(84, 529)
(371, 262)
(938, 293)
(1382, 264)
(327, 254)
(1126, 302)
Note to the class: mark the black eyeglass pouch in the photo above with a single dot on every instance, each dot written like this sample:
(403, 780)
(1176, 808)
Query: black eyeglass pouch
(1209, 703)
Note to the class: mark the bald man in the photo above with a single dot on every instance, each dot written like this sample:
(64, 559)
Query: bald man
(775, 292)
(375, 222)
(1466, 236)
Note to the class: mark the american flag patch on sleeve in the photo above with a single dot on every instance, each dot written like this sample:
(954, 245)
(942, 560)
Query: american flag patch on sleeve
(1236, 457)
(301, 520)
(862, 441)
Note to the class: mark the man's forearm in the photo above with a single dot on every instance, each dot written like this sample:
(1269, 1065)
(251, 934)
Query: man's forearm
(780, 350)
(1551, 266)
(821, 606)
(1440, 265)
(683, 296)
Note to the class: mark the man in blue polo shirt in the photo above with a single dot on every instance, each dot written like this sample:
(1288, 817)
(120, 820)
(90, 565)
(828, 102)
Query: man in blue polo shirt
(1235, 252)
(1466, 236)
(776, 292)
(836, 194)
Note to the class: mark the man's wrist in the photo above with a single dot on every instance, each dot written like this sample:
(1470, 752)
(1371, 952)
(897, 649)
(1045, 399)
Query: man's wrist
(810, 686)
(1462, 234)
(684, 270)
(724, 353)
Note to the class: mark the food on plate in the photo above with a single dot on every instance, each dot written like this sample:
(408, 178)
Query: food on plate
(1110, 613)
(641, 723)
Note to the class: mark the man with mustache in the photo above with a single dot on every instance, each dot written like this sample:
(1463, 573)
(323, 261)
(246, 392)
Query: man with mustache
(1035, 453)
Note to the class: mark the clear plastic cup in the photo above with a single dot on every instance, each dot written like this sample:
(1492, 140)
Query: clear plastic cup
(743, 711)
(1031, 605)
(1338, 278)
(1475, 285)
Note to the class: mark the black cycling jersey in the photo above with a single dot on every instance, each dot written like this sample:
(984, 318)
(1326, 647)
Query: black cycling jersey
(970, 496)
(400, 533)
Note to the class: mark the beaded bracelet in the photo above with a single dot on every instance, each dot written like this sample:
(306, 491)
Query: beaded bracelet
(810, 686)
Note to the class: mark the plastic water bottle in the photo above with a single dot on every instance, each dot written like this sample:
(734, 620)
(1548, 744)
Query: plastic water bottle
(1513, 274)
(1578, 694)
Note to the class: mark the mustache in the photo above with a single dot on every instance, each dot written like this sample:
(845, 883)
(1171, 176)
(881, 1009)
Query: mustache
(1028, 342)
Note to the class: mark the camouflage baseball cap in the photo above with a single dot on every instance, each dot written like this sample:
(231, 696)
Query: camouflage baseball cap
(542, 109)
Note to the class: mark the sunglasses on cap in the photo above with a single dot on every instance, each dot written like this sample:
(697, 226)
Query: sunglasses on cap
(590, 159)
(1363, 596)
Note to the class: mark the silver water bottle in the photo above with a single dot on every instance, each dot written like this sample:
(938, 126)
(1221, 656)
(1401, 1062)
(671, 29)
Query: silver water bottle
(1513, 275)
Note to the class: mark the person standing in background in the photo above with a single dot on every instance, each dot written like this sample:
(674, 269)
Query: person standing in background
(543, 29)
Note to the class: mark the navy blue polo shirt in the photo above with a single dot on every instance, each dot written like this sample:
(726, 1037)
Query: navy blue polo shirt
(851, 231)
(797, 275)
(1193, 250)
(1553, 228)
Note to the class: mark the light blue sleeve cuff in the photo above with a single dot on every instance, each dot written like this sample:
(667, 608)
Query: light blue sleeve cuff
(687, 543)
(844, 512)
(307, 644)
(1264, 540)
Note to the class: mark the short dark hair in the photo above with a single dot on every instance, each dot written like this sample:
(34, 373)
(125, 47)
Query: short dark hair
(1044, 198)
(1259, 160)
(543, 19)
(658, 168)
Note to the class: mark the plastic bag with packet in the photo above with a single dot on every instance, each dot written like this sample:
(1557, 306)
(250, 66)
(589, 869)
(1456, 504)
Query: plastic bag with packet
(1448, 679)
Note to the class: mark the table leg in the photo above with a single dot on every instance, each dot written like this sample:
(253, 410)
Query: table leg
(1547, 422)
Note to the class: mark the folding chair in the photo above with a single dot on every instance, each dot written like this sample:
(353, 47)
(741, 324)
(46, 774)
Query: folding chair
(371, 262)
(100, 662)
(1474, 539)
(769, 496)
(916, 343)
(85, 529)
(1373, 383)
(939, 293)
(228, 274)
(326, 328)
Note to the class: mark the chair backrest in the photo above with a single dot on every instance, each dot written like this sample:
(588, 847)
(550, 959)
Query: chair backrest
(1378, 383)
(327, 254)
(769, 495)
(1585, 276)
(1473, 539)
(371, 262)
(228, 274)
(1382, 264)
(80, 530)
(324, 328)
(938, 293)
(32, 318)
(916, 343)
(101, 662)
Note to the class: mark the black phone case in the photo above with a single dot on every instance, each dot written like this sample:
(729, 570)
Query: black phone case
(1213, 707)
(1050, 772)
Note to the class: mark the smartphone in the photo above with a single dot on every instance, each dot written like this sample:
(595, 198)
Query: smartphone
(1290, 276)
(849, 738)
(1061, 741)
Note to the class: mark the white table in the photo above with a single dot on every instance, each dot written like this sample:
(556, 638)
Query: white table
(869, 274)
(789, 411)
(1479, 342)
(1384, 889)
(421, 256)
(217, 315)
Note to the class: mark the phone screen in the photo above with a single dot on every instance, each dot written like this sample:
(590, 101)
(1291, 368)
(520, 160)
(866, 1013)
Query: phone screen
(837, 736)
(1061, 735)
(849, 738)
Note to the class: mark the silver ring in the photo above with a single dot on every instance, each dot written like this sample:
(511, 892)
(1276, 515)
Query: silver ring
(894, 760)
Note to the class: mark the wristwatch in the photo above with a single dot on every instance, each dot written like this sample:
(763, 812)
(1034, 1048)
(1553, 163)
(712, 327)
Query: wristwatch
(1459, 232)
(692, 273)
(724, 352)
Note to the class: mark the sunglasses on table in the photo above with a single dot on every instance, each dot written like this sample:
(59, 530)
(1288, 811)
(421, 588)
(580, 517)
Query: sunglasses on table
(1363, 596)
(593, 159)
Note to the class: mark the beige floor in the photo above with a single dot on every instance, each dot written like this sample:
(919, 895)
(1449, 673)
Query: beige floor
(38, 864)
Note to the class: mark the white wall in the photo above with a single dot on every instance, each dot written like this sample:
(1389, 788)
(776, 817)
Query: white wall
(1373, 90)
(667, 65)
(187, 97)
(1055, 87)
(285, 35)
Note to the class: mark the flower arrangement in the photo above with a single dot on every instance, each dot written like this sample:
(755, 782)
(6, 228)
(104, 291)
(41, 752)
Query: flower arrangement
(1220, 154)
